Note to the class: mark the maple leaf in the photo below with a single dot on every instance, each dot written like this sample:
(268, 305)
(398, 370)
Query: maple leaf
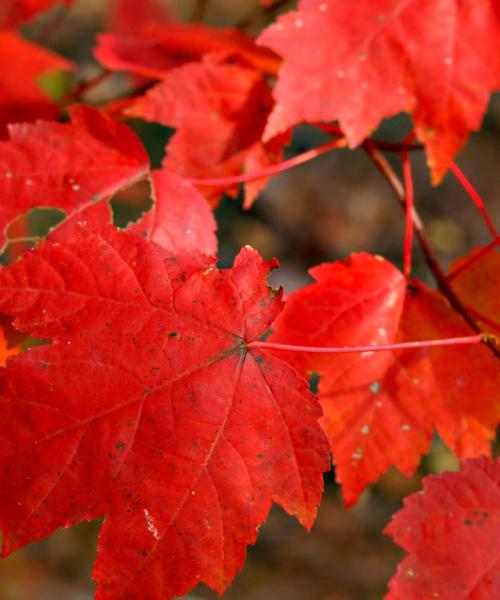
(156, 49)
(22, 64)
(219, 111)
(15, 12)
(77, 167)
(152, 411)
(361, 62)
(474, 278)
(451, 532)
(69, 166)
(180, 218)
(380, 408)
(5, 350)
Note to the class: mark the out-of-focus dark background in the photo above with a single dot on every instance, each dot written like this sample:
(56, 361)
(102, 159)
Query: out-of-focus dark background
(320, 211)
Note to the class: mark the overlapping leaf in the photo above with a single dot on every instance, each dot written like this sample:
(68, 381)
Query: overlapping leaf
(67, 166)
(380, 408)
(180, 218)
(475, 279)
(78, 166)
(15, 12)
(451, 532)
(153, 413)
(156, 49)
(219, 111)
(361, 62)
(22, 65)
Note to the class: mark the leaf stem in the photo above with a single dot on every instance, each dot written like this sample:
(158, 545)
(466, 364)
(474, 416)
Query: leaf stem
(274, 169)
(456, 341)
(86, 86)
(430, 258)
(409, 208)
(476, 198)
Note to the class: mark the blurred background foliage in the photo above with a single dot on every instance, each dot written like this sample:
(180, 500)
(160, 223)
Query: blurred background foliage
(320, 211)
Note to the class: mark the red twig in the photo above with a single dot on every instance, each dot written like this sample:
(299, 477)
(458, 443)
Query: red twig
(86, 86)
(430, 258)
(274, 169)
(457, 341)
(408, 179)
(476, 198)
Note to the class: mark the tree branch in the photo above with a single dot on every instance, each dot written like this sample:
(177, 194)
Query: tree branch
(430, 257)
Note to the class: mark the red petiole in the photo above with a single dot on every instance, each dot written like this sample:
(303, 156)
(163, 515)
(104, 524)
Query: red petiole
(456, 341)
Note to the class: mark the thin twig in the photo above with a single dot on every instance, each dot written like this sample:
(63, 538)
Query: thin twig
(86, 86)
(408, 178)
(430, 258)
(475, 197)
(274, 169)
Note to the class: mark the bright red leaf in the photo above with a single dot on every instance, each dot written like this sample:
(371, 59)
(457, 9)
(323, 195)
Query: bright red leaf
(180, 218)
(380, 408)
(475, 278)
(15, 12)
(156, 49)
(361, 62)
(219, 111)
(69, 166)
(451, 532)
(153, 413)
(455, 377)
(22, 64)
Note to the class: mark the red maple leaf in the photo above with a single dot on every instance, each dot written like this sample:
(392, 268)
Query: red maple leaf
(151, 411)
(361, 62)
(219, 111)
(180, 218)
(69, 166)
(451, 532)
(380, 408)
(22, 64)
(15, 12)
(156, 49)
(78, 166)
(475, 279)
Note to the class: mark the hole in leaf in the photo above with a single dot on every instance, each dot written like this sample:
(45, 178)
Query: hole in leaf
(129, 205)
(314, 382)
